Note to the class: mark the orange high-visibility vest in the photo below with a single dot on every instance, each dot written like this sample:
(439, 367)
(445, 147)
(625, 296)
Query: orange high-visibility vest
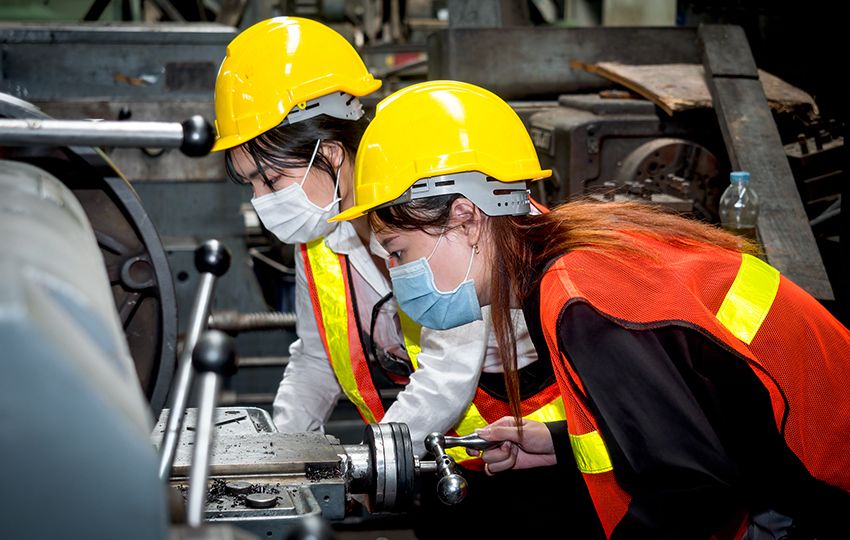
(793, 345)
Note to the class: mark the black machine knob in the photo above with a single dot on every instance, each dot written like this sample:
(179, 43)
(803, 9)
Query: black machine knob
(212, 257)
(198, 136)
(214, 353)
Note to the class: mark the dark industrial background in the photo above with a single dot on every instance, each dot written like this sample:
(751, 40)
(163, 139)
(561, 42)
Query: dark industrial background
(156, 60)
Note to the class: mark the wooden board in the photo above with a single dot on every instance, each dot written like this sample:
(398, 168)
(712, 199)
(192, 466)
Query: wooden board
(679, 87)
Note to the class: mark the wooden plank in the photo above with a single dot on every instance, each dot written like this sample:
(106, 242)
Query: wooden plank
(680, 87)
(726, 51)
(753, 143)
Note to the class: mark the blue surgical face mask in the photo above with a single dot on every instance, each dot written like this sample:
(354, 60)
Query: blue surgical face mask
(418, 297)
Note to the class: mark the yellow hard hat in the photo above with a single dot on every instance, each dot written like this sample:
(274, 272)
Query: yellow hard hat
(435, 129)
(276, 65)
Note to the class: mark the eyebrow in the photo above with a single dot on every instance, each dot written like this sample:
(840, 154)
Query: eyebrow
(260, 170)
(253, 175)
(388, 241)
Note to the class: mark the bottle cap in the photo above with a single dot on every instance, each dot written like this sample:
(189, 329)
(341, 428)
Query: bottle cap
(739, 176)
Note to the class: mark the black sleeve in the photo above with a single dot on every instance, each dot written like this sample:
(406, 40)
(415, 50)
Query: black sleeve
(664, 447)
(561, 442)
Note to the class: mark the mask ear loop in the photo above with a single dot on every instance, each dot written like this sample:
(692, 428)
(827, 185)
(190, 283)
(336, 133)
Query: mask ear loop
(471, 259)
(338, 171)
(471, 255)
(428, 258)
(310, 165)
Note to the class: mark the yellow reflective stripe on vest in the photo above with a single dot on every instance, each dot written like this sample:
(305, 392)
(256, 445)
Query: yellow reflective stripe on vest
(553, 412)
(590, 453)
(472, 420)
(330, 289)
(411, 332)
(749, 298)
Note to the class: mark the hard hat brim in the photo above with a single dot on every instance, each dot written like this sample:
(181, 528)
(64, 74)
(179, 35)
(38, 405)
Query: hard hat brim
(353, 213)
(226, 143)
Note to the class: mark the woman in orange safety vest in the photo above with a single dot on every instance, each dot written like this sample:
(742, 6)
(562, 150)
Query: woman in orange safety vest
(706, 395)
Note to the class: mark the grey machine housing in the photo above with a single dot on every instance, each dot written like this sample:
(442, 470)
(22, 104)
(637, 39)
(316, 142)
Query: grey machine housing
(75, 425)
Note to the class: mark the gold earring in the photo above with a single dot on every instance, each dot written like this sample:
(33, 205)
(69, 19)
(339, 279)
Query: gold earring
(475, 247)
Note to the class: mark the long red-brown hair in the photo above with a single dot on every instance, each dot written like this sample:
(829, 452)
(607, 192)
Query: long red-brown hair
(525, 243)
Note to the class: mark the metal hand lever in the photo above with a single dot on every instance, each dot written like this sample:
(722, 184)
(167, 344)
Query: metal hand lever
(471, 441)
(194, 137)
(452, 487)
(212, 259)
(213, 358)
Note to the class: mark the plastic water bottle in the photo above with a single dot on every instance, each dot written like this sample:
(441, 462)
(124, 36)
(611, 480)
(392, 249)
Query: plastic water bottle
(739, 206)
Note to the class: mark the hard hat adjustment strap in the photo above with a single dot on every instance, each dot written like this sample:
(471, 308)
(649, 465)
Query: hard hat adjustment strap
(337, 104)
(493, 197)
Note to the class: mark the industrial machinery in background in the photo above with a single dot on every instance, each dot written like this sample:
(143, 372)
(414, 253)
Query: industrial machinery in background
(131, 73)
(130, 248)
(609, 134)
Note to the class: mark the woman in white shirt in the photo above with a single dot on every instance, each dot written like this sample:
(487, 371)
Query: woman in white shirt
(288, 116)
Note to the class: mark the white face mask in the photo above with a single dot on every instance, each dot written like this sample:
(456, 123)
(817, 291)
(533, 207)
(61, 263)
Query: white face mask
(291, 216)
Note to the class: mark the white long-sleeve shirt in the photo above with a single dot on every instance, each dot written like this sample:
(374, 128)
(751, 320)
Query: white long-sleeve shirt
(439, 391)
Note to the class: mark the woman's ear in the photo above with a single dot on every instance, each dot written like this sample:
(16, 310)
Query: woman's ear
(467, 219)
(334, 152)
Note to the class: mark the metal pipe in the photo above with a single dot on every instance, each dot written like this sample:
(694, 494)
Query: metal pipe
(183, 384)
(426, 466)
(234, 322)
(199, 472)
(194, 137)
(214, 357)
(90, 133)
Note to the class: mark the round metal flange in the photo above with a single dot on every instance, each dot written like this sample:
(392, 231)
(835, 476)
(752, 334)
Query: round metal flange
(393, 464)
(390, 466)
(405, 464)
(135, 260)
(677, 167)
(374, 439)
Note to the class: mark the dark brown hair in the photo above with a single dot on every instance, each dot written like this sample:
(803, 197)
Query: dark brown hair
(291, 146)
(527, 242)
